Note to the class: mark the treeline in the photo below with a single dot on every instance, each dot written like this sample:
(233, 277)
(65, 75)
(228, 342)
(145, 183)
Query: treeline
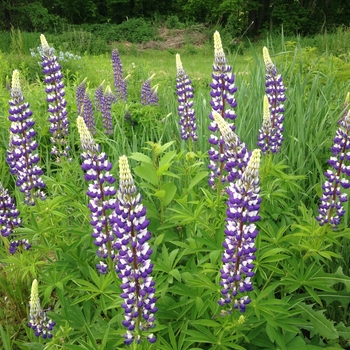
(304, 17)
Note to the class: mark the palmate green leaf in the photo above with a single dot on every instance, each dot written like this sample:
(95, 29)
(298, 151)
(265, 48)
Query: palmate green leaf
(321, 324)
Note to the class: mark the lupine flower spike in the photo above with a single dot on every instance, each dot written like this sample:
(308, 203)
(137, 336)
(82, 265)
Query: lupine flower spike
(242, 213)
(80, 93)
(101, 191)
(21, 156)
(185, 97)
(222, 102)
(133, 263)
(88, 113)
(146, 91)
(38, 319)
(99, 97)
(331, 208)
(153, 101)
(119, 81)
(235, 154)
(106, 107)
(275, 92)
(57, 103)
(267, 135)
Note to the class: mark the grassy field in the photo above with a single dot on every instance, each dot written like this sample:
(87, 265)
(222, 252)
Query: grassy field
(302, 271)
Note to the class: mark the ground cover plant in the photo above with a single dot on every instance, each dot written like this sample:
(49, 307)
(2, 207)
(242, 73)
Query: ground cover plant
(162, 201)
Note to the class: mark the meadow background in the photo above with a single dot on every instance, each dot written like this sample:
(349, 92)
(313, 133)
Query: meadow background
(302, 284)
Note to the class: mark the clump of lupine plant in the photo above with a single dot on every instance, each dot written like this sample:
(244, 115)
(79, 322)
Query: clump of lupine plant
(242, 212)
(119, 81)
(267, 135)
(275, 90)
(149, 95)
(99, 97)
(331, 208)
(38, 319)
(133, 263)
(21, 155)
(185, 109)
(106, 108)
(101, 192)
(235, 154)
(9, 214)
(223, 102)
(59, 128)
(79, 95)
(88, 113)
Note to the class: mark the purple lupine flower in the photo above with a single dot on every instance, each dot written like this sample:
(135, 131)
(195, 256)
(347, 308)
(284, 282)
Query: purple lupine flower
(153, 100)
(185, 109)
(99, 97)
(79, 95)
(106, 107)
(88, 113)
(146, 91)
(101, 192)
(21, 156)
(38, 319)
(331, 208)
(133, 263)
(223, 101)
(59, 128)
(119, 81)
(267, 134)
(275, 92)
(9, 214)
(235, 154)
(17, 243)
(240, 232)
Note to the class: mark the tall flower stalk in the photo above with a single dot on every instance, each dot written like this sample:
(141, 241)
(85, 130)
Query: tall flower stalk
(58, 118)
(119, 81)
(38, 319)
(88, 113)
(22, 157)
(275, 90)
(106, 108)
(79, 96)
(267, 136)
(240, 233)
(331, 208)
(185, 108)
(149, 95)
(101, 192)
(133, 263)
(222, 102)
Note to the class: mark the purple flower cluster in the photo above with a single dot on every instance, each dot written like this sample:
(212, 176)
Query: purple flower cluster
(21, 156)
(79, 95)
(88, 113)
(101, 191)
(99, 97)
(119, 81)
(331, 208)
(240, 232)
(17, 243)
(9, 214)
(267, 136)
(149, 95)
(235, 154)
(223, 102)
(106, 107)
(38, 319)
(275, 90)
(57, 103)
(185, 96)
(133, 263)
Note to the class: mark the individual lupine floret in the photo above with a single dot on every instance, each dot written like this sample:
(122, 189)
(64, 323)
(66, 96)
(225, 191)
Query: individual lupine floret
(59, 128)
(9, 214)
(99, 97)
(101, 191)
(331, 208)
(185, 108)
(88, 113)
(275, 90)
(106, 107)
(267, 140)
(240, 232)
(119, 81)
(133, 263)
(79, 96)
(21, 156)
(223, 102)
(235, 154)
(38, 319)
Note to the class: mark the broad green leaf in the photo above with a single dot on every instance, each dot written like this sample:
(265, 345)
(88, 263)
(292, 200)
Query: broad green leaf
(160, 194)
(166, 159)
(140, 157)
(170, 191)
(147, 173)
